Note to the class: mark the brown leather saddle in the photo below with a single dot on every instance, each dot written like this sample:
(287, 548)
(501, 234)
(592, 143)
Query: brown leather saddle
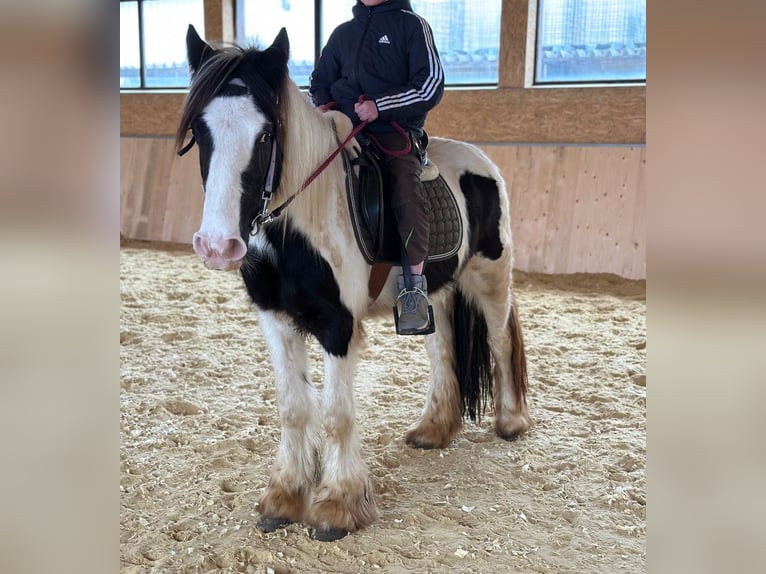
(373, 218)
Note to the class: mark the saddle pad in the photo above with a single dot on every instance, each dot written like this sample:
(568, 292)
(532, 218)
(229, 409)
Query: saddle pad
(377, 235)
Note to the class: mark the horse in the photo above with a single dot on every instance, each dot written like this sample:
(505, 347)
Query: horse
(258, 133)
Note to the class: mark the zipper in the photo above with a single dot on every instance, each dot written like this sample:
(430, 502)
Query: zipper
(359, 49)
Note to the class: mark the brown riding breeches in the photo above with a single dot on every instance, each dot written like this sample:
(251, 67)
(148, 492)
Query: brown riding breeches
(407, 197)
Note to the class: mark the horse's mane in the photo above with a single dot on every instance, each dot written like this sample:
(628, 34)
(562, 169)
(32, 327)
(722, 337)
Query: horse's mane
(309, 142)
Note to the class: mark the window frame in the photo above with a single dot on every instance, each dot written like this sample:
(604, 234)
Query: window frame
(513, 111)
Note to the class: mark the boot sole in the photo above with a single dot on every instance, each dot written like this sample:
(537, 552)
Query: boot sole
(427, 330)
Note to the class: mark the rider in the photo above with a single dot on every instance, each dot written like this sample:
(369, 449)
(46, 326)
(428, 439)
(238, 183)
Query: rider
(386, 54)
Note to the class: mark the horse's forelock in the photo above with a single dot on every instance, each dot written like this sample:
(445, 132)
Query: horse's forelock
(205, 85)
(265, 79)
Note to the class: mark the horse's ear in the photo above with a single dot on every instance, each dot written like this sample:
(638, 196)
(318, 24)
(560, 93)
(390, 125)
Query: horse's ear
(281, 45)
(197, 50)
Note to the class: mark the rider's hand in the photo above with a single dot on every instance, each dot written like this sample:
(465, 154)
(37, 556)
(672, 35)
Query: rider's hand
(366, 110)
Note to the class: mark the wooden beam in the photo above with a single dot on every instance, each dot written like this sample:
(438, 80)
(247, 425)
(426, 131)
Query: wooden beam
(614, 115)
(150, 113)
(515, 115)
(219, 20)
(513, 43)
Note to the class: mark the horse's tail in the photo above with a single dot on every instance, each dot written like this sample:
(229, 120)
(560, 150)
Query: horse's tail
(473, 357)
(518, 358)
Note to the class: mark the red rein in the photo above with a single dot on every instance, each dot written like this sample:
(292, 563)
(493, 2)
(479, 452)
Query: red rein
(392, 152)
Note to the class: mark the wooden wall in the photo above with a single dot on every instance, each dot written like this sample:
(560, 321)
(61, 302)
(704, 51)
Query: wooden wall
(576, 209)
(573, 208)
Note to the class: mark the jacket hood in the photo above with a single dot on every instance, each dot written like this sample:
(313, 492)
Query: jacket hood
(360, 10)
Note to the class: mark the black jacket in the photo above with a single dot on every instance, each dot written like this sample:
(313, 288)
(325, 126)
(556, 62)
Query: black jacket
(386, 52)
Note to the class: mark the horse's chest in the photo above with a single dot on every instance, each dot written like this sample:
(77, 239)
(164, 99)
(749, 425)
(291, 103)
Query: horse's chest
(283, 272)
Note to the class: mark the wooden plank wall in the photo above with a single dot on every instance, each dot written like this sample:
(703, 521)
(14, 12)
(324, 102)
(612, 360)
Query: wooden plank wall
(576, 209)
(573, 208)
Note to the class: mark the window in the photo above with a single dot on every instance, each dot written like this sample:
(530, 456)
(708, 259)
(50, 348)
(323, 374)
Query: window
(466, 33)
(152, 42)
(578, 41)
(590, 41)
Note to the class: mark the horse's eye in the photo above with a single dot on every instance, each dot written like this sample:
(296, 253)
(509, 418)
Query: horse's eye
(265, 137)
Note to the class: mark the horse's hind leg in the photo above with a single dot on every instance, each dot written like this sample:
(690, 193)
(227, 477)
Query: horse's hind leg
(288, 495)
(489, 285)
(441, 419)
(343, 500)
(510, 377)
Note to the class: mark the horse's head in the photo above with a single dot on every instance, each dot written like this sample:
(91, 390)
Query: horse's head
(232, 110)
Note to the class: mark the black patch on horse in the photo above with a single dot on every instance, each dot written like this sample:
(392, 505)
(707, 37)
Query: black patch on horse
(440, 273)
(301, 284)
(482, 200)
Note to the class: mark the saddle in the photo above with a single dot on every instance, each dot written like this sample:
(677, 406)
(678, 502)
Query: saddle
(372, 217)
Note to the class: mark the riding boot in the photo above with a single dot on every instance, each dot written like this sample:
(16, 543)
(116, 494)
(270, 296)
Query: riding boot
(413, 313)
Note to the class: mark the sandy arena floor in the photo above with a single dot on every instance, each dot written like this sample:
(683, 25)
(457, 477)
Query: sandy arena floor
(199, 429)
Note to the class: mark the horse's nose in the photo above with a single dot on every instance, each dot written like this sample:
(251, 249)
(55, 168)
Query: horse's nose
(219, 252)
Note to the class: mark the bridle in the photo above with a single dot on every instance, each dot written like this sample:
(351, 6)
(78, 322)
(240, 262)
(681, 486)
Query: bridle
(267, 189)
(265, 216)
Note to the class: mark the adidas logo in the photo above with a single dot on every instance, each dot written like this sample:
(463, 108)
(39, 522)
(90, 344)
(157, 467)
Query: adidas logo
(384, 39)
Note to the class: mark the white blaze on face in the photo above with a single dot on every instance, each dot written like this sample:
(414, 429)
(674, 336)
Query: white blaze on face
(234, 123)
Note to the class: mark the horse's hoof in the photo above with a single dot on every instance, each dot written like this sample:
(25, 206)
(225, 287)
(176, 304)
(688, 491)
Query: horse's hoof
(272, 524)
(329, 534)
(428, 439)
(512, 427)
(509, 437)
(418, 442)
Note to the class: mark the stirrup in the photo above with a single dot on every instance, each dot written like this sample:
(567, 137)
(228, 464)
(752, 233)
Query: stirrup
(427, 330)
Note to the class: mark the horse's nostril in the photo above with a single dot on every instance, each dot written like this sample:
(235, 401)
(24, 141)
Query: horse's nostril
(227, 248)
(200, 245)
(237, 248)
(230, 248)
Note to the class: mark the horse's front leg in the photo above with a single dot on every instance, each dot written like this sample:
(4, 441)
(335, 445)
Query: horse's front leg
(293, 474)
(343, 500)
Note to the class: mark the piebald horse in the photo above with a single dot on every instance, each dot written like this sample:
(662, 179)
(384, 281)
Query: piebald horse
(306, 276)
